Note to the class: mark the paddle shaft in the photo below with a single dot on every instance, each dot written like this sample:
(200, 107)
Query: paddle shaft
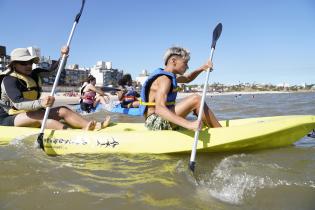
(60, 68)
(193, 152)
(215, 36)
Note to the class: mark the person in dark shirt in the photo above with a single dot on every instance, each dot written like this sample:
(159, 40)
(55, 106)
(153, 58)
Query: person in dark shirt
(128, 96)
(21, 104)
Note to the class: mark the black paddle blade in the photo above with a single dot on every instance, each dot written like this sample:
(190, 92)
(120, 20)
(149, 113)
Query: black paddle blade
(77, 18)
(192, 165)
(312, 134)
(40, 140)
(216, 34)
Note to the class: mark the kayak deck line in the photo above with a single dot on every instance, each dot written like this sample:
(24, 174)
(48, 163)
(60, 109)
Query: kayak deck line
(240, 135)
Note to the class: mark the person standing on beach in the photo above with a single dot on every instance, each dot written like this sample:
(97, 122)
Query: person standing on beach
(91, 96)
(158, 95)
(21, 104)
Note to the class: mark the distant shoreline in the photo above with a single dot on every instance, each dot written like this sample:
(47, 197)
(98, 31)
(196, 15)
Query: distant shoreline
(181, 95)
(62, 99)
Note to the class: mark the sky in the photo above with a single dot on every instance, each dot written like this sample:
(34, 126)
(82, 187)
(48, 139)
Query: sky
(263, 41)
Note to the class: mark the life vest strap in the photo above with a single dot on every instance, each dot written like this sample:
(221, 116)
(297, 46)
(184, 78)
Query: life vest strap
(129, 98)
(153, 103)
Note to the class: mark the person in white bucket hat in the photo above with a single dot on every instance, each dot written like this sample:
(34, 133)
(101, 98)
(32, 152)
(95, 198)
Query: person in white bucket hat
(21, 104)
(22, 55)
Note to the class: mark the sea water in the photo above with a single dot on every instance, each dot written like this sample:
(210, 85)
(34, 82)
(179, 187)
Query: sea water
(281, 178)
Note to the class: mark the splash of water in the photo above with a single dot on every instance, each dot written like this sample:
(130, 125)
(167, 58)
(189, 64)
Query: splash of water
(238, 177)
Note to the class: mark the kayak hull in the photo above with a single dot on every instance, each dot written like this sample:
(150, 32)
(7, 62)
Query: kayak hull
(116, 109)
(98, 108)
(128, 111)
(239, 135)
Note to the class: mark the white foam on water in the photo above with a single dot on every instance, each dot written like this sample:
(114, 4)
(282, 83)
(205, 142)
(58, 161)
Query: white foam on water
(20, 140)
(16, 141)
(229, 181)
(238, 177)
(110, 105)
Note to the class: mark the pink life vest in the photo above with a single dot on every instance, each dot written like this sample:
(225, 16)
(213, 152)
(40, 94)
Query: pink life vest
(89, 97)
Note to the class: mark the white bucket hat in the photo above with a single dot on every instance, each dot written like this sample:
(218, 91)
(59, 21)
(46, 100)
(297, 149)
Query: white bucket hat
(22, 54)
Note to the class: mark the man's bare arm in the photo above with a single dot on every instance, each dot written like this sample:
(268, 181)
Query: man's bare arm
(192, 75)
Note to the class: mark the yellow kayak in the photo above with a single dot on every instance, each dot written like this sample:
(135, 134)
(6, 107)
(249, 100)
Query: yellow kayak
(236, 135)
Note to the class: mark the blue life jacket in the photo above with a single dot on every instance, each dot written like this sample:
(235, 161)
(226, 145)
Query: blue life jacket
(171, 96)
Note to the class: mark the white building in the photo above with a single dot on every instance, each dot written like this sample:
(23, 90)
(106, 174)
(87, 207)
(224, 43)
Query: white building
(44, 62)
(4, 58)
(97, 72)
(142, 77)
(105, 75)
(284, 85)
(34, 51)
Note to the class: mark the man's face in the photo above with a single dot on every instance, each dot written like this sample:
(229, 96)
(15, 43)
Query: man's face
(181, 65)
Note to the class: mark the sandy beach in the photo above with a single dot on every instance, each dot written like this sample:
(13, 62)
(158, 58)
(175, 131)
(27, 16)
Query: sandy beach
(62, 99)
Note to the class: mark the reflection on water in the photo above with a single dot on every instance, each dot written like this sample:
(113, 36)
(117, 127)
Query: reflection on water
(270, 179)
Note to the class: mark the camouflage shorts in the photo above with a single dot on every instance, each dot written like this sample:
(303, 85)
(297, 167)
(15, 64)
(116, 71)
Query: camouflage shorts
(155, 122)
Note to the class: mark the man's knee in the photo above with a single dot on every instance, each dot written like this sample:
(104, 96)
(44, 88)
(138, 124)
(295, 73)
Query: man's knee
(63, 110)
(196, 99)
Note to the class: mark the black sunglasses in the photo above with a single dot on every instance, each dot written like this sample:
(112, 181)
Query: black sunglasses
(25, 63)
